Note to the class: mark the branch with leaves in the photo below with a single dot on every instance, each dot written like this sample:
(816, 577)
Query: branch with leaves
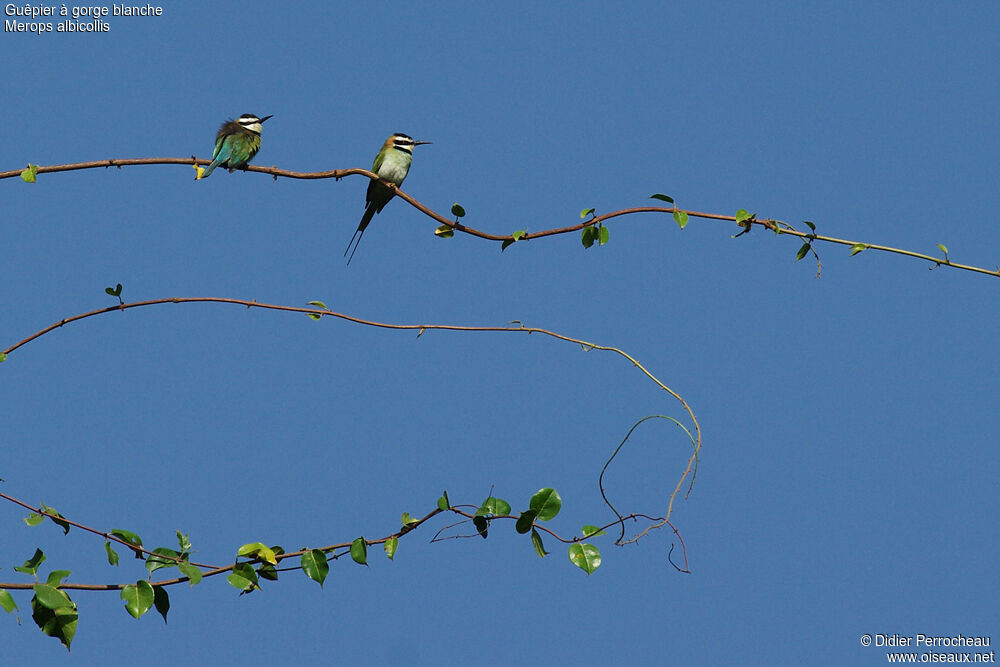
(57, 615)
(592, 229)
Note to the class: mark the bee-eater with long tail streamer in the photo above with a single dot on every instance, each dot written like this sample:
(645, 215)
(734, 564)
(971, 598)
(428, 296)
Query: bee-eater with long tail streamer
(392, 164)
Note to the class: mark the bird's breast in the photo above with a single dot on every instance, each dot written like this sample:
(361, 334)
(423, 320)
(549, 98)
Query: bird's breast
(394, 170)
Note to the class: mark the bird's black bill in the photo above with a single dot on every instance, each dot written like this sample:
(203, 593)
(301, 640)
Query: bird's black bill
(266, 117)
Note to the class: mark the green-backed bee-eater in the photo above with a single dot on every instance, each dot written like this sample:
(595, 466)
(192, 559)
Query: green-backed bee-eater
(236, 143)
(392, 164)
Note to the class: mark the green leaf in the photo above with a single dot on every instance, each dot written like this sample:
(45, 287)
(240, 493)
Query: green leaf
(59, 623)
(506, 244)
(257, 551)
(525, 521)
(34, 519)
(56, 576)
(858, 247)
(250, 549)
(112, 554)
(114, 291)
(443, 503)
(457, 210)
(7, 602)
(518, 234)
(481, 525)
(57, 518)
(536, 541)
(243, 578)
(359, 551)
(501, 506)
(493, 506)
(315, 565)
(267, 571)
(126, 536)
(546, 503)
(587, 235)
(239, 582)
(246, 571)
(184, 541)
(131, 539)
(138, 598)
(28, 175)
(585, 556)
(669, 200)
(314, 316)
(192, 572)
(407, 519)
(390, 547)
(943, 248)
(3, 357)
(31, 565)
(603, 235)
(681, 218)
(592, 531)
(585, 212)
(161, 601)
(742, 216)
(51, 597)
(444, 232)
(803, 251)
(160, 558)
(318, 304)
(810, 225)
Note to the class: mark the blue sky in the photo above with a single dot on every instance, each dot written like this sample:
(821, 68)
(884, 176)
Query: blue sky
(849, 467)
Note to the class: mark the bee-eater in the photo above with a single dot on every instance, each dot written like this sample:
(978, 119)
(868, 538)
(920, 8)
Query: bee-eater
(236, 143)
(392, 164)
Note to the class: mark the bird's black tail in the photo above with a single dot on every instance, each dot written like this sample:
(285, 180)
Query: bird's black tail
(360, 232)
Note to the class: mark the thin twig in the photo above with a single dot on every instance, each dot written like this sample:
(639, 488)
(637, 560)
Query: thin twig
(692, 462)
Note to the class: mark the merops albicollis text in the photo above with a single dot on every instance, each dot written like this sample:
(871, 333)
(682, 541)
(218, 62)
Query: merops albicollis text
(236, 143)
(392, 164)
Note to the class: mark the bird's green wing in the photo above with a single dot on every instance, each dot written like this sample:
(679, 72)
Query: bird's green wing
(219, 139)
(373, 186)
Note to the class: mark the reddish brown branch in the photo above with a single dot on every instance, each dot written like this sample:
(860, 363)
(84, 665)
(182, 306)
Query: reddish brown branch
(775, 226)
(341, 173)
(269, 306)
(331, 549)
(107, 536)
(692, 461)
